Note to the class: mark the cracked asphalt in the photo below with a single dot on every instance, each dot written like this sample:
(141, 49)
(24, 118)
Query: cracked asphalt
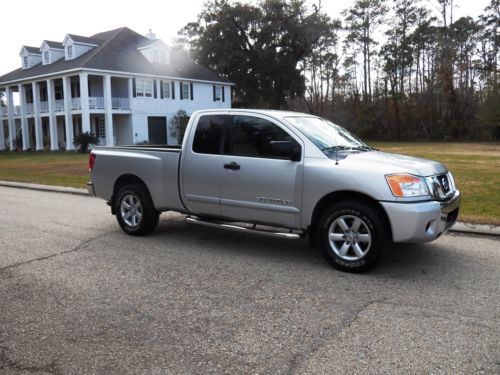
(79, 296)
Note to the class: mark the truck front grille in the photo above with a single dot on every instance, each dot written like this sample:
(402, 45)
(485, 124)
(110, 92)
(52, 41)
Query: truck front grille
(442, 186)
(444, 182)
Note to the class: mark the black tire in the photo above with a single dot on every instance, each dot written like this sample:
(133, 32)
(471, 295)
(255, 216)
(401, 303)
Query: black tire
(143, 217)
(351, 235)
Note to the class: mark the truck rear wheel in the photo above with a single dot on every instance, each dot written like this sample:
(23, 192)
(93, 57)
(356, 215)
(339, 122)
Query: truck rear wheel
(135, 211)
(351, 235)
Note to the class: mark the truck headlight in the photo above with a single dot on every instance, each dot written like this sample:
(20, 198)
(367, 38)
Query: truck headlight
(407, 185)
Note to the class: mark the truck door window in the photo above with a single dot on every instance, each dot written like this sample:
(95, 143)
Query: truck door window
(207, 138)
(251, 136)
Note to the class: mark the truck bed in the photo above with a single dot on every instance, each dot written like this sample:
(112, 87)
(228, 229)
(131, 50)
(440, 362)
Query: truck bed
(143, 162)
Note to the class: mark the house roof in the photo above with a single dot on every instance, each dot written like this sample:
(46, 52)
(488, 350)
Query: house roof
(85, 39)
(117, 52)
(53, 44)
(32, 49)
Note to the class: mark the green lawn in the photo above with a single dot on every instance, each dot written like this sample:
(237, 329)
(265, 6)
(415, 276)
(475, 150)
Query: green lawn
(48, 168)
(475, 166)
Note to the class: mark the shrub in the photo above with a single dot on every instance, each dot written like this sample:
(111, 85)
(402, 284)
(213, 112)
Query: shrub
(83, 140)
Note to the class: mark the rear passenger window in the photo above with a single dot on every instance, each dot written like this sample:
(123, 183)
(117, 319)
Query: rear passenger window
(207, 138)
(251, 136)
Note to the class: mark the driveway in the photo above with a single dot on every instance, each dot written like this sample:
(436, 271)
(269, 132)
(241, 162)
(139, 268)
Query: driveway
(79, 296)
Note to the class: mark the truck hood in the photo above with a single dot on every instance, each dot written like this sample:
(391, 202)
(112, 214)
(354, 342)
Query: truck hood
(388, 163)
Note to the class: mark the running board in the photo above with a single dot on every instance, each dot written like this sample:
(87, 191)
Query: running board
(288, 235)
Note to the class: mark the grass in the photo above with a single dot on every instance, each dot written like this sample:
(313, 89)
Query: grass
(475, 166)
(47, 168)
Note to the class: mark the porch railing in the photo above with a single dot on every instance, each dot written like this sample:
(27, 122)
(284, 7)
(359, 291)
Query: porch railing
(29, 108)
(44, 107)
(120, 103)
(96, 102)
(76, 103)
(59, 105)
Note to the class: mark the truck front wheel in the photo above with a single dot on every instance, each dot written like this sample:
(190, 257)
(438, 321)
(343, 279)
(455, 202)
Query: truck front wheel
(351, 235)
(135, 211)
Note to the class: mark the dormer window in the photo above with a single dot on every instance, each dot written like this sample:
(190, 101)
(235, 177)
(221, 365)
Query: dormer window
(30, 56)
(163, 57)
(159, 56)
(46, 57)
(155, 51)
(76, 45)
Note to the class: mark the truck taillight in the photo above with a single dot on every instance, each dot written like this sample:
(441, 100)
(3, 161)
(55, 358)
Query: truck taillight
(91, 161)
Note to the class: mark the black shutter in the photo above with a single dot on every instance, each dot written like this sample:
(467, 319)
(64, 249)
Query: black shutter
(155, 89)
(173, 90)
(134, 93)
(191, 90)
(223, 89)
(161, 89)
(214, 93)
(181, 95)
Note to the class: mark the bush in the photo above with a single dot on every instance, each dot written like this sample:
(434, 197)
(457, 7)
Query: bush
(83, 140)
(179, 124)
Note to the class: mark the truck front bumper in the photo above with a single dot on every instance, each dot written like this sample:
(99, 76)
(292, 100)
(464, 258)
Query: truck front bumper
(421, 222)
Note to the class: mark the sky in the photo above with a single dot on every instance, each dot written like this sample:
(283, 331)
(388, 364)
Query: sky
(29, 22)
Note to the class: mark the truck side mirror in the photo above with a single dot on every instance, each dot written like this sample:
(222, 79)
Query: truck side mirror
(286, 149)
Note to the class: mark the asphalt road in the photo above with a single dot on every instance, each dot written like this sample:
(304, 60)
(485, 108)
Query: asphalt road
(79, 296)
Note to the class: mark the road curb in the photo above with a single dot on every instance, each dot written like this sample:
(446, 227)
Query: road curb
(459, 227)
(49, 188)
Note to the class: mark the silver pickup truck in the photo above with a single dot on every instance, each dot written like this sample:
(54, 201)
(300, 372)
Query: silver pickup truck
(280, 173)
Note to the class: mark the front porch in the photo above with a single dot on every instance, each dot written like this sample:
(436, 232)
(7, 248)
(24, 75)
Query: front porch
(57, 140)
(69, 105)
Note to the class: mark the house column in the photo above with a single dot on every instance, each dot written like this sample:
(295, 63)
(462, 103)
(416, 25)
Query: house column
(2, 135)
(158, 88)
(36, 114)
(84, 101)
(12, 125)
(54, 138)
(24, 120)
(130, 92)
(68, 117)
(108, 105)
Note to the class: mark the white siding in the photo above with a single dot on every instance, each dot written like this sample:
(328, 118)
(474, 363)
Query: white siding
(139, 128)
(122, 129)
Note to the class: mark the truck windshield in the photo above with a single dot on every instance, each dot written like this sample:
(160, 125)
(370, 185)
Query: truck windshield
(327, 136)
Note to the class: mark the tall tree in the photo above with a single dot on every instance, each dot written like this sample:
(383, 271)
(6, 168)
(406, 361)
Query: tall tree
(363, 19)
(259, 47)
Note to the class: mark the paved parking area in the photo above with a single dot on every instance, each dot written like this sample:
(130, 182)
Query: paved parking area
(79, 296)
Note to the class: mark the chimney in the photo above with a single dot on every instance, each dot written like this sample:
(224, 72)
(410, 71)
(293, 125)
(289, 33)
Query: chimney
(150, 35)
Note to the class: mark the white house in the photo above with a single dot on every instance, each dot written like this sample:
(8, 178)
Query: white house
(122, 86)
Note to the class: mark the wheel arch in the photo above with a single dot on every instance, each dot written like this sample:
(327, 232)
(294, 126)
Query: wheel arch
(123, 180)
(344, 195)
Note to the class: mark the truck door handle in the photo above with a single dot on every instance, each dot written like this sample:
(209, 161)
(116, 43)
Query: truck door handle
(233, 165)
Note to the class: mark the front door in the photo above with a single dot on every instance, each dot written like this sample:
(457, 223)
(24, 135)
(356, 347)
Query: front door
(258, 186)
(157, 130)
